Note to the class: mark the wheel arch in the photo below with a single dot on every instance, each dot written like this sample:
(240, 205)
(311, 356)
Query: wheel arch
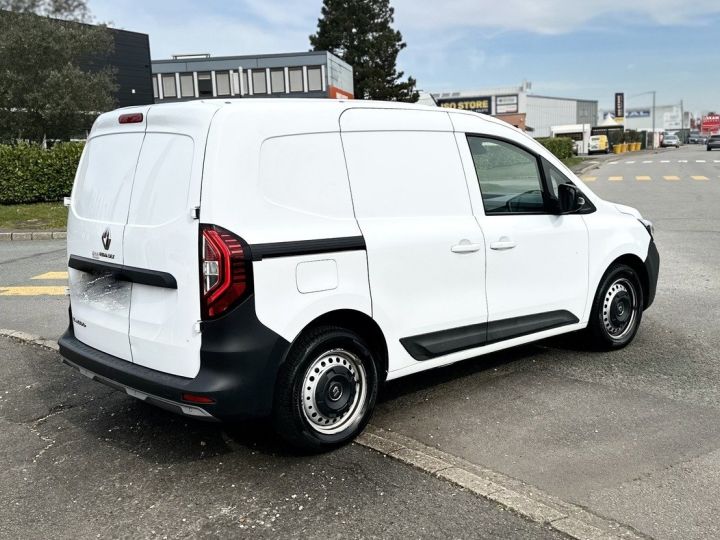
(361, 323)
(637, 264)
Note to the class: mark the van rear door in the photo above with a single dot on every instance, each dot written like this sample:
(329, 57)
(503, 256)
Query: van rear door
(161, 236)
(100, 200)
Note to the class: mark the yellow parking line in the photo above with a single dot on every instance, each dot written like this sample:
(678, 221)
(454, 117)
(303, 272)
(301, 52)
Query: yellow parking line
(672, 178)
(52, 275)
(699, 177)
(44, 290)
(615, 178)
(589, 178)
(642, 178)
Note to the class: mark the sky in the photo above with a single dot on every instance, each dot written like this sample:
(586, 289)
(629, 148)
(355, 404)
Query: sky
(570, 48)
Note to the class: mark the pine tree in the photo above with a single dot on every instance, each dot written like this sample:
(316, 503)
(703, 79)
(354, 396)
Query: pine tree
(360, 32)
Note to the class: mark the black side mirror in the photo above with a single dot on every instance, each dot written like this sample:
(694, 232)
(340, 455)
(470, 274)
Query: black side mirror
(569, 199)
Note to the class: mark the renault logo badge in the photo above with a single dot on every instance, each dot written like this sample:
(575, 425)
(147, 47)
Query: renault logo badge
(106, 239)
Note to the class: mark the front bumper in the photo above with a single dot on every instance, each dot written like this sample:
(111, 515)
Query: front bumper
(239, 361)
(652, 268)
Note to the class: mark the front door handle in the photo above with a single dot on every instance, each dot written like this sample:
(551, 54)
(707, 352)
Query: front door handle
(502, 245)
(465, 247)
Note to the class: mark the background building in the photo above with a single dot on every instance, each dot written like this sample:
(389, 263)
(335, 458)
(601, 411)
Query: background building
(131, 59)
(517, 106)
(309, 74)
(667, 118)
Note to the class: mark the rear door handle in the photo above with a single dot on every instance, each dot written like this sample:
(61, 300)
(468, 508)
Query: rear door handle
(465, 247)
(502, 245)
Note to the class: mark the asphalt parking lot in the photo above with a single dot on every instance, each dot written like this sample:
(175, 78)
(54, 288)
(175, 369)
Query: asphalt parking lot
(631, 436)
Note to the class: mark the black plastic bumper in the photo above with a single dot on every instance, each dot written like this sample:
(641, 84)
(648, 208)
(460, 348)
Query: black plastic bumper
(239, 361)
(652, 267)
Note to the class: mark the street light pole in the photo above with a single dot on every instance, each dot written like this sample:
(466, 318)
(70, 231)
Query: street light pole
(653, 123)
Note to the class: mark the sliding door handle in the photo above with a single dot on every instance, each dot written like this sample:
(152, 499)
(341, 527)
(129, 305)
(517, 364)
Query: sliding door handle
(465, 247)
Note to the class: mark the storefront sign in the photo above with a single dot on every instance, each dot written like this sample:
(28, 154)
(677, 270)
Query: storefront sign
(619, 105)
(506, 104)
(476, 104)
(638, 113)
(711, 123)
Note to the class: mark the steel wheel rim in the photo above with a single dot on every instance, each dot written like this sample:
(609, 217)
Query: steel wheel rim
(619, 310)
(314, 376)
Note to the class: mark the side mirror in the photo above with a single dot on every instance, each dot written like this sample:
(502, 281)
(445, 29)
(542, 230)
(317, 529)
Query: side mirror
(569, 199)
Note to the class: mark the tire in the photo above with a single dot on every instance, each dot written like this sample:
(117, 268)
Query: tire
(617, 309)
(317, 405)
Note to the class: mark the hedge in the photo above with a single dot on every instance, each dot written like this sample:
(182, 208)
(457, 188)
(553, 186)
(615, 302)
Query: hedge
(29, 173)
(561, 147)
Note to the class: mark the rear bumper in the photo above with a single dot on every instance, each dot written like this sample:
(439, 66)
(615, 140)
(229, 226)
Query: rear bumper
(239, 361)
(652, 267)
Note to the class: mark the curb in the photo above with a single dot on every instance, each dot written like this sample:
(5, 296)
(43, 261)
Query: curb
(518, 497)
(32, 235)
(514, 495)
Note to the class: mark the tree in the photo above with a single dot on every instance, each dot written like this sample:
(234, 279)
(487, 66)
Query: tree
(53, 78)
(360, 32)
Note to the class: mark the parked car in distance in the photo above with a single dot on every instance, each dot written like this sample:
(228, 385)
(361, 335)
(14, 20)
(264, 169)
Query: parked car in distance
(670, 140)
(694, 137)
(713, 142)
(281, 259)
(598, 144)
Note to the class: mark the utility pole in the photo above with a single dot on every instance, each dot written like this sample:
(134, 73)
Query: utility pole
(682, 122)
(653, 123)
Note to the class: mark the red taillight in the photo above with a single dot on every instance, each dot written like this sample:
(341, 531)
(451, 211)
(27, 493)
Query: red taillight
(224, 271)
(196, 398)
(131, 118)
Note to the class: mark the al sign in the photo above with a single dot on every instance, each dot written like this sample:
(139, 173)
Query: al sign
(711, 123)
(475, 104)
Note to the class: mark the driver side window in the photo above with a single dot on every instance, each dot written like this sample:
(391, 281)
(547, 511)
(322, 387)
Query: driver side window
(509, 177)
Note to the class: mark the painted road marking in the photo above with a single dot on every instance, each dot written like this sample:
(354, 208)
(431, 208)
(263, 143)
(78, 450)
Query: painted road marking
(643, 178)
(629, 162)
(682, 160)
(672, 178)
(700, 161)
(716, 160)
(589, 178)
(615, 178)
(52, 275)
(44, 290)
(699, 177)
(613, 163)
(649, 161)
(664, 161)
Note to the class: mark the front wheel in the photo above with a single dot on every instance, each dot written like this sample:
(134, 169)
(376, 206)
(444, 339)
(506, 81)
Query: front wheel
(617, 309)
(326, 390)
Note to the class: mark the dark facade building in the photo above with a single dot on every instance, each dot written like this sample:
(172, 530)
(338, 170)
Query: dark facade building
(131, 59)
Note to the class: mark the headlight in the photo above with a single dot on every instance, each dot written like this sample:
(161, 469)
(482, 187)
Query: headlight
(648, 226)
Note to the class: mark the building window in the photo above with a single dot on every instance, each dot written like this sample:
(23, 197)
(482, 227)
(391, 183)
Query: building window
(222, 83)
(259, 82)
(246, 86)
(236, 83)
(295, 76)
(314, 75)
(277, 81)
(155, 87)
(168, 86)
(187, 87)
(204, 85)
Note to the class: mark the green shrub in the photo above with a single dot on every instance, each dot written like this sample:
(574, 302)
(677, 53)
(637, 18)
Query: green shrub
(29, 173)
(561, 147)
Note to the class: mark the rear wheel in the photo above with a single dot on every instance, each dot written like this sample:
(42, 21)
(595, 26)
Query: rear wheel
(617, 309)
(326, 390)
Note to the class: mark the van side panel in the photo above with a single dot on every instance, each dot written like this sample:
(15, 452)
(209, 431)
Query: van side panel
(279, 182)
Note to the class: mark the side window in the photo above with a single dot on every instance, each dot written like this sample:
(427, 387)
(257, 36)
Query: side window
(555, 178)
(509, 177)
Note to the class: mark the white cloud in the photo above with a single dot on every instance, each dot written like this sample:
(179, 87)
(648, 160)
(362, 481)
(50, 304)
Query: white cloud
(546, 16)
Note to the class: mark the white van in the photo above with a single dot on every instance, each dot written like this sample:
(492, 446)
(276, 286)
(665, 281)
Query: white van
(282, 258)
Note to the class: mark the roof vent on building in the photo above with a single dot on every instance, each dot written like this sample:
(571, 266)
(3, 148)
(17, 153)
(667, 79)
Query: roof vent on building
(183, 56)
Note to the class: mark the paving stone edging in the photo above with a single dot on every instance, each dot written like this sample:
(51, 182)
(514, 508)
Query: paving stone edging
(32, 235)
(525, 500)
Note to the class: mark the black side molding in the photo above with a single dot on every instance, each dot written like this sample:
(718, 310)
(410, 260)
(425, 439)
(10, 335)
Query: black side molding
(258, 252)
(124, 273)
(434, 344)
(652, 267)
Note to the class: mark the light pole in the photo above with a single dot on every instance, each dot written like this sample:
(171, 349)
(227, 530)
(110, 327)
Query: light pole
(653, 112)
